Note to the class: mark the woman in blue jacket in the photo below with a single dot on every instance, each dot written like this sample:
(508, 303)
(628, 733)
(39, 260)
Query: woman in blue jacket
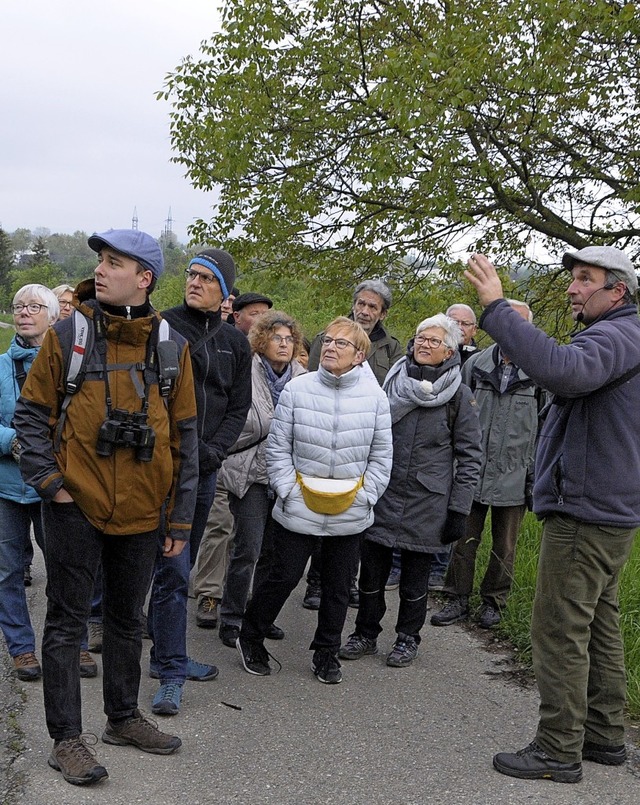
(34, 309)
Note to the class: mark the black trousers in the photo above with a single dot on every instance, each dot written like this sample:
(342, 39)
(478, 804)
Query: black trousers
(339, 563)
(375, 564)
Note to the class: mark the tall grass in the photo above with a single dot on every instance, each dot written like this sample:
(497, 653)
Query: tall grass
(516, 619)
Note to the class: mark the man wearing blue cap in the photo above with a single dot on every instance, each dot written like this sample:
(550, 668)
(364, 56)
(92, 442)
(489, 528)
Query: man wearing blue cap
(107, 453)
(221, 362)
(587, 476)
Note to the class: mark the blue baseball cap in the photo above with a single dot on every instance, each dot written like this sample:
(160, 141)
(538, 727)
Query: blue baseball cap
(132, 243)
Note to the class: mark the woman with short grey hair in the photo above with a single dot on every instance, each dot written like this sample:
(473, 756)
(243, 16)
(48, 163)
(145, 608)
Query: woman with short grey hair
(436, 463)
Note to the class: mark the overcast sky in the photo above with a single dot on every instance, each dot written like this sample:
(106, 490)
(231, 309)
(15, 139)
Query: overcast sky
(82, 139)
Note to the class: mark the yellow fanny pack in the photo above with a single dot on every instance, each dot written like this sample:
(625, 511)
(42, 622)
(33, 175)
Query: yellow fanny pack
(328, 495)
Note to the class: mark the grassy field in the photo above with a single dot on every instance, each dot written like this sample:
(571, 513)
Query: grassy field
(6, 333)
(517, 619)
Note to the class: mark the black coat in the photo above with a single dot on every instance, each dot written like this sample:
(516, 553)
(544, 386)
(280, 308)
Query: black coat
(435, 468)
(222, 380)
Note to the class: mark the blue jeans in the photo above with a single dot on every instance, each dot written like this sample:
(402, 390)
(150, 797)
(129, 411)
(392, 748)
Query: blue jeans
(74, 549)
(167, 614)
(440, 561)
(15, 525)
(375, 564)
(338, 566)
(251, 514)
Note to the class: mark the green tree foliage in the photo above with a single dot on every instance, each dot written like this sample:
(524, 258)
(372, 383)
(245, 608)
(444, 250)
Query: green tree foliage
(40, 254)
(6, 266)
(46, 274)
(72, 254)
(345, 135)
(21, 239)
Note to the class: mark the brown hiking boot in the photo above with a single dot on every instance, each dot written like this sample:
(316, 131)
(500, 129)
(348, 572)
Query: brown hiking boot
(139, 731)
(95, 637)
(88, 666)
(76, 761)
(207, 613)
(26, 667)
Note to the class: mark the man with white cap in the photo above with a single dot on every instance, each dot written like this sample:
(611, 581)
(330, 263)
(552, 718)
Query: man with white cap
(586, 490)
(107, 457)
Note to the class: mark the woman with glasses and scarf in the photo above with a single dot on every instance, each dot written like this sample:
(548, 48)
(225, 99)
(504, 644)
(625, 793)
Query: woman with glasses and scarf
(35, 308)
(274, 339)
(436, 463)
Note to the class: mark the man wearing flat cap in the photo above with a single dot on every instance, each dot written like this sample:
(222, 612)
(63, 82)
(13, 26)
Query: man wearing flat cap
(247, 308)
(107, 457)
(587, 477)
(221, 361)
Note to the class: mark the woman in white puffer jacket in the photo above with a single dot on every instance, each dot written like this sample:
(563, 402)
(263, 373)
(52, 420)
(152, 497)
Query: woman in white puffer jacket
(330, 424)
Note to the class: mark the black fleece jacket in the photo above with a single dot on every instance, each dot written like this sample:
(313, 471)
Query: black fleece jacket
(222, 379)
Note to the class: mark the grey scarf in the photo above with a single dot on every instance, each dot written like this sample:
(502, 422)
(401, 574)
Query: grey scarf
(405, 393)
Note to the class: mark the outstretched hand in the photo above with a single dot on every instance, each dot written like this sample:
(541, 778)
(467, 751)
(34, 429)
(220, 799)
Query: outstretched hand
(482, 274)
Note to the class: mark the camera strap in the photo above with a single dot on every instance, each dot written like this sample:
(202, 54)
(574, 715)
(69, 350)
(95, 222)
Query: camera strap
(89, 337)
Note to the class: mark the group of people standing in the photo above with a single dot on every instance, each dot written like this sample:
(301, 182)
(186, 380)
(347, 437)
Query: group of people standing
(376, 457)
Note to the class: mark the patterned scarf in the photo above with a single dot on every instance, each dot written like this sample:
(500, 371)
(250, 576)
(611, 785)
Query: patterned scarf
(275, 382)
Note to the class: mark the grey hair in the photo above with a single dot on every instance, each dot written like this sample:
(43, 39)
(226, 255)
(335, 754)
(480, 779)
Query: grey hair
(464, 307)
(611, 278)
(518, 303)
(44, 295)
(452, 331)
(375, 286)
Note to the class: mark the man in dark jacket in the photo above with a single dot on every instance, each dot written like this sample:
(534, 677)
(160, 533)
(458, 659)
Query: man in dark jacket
(221, 361)
(103, 492)
(371, 302)
(587, 476)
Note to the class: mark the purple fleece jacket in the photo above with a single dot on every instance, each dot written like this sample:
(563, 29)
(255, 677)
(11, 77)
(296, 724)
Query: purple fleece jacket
(588, 457)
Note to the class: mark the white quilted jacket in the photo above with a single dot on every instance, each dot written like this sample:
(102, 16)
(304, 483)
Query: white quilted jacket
(330, 427)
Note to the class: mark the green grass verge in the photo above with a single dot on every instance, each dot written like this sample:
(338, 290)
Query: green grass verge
(516, 621)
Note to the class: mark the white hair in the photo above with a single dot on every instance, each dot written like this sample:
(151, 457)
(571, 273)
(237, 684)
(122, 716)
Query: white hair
(464, 307)
(43, 295)
(452, 331)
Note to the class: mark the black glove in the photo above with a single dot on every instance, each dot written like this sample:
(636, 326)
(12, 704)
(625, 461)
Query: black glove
(454, 527)
(528, 491)
(208, 459)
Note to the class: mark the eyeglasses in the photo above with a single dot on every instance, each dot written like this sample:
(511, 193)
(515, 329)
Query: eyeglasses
(65, 305)
(341, 343)
(281, 339)
(33, 307)
(205, 277)
(465, 323)
(432, 342)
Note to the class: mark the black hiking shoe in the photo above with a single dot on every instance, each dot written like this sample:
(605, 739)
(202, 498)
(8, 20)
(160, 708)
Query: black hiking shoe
(533, 763)
(326, 666)
(357, 646)
(404, 651)
(456, 609)
(606, 755)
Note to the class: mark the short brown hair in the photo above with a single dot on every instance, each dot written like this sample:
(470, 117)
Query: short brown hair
(355, 333)
(263, 327)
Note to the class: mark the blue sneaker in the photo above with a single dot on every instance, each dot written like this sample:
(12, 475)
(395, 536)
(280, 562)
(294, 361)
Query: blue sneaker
(196, 671)
(167, 700)
(200, 672)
